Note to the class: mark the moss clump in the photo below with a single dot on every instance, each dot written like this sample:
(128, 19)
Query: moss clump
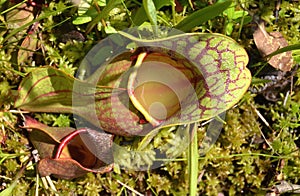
(249, 156)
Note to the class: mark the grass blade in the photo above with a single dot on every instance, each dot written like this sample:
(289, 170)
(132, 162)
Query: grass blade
(41, 17)
(203, 15)
(285, 49)
(103, 14)
(8, 191)
(193, 160)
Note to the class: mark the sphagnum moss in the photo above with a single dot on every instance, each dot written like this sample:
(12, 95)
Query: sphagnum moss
(240, 162)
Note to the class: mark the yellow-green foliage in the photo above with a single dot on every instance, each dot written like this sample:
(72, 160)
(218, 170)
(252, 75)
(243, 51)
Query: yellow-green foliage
(248, 157)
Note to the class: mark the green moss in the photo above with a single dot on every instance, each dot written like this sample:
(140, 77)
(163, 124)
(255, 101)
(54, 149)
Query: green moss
(248, 157)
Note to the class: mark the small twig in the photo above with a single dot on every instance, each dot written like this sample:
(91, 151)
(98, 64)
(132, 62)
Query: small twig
(201, 175)
(6, 178)
(36, 158)
(277, 9)
(37, 185)
(129, 188)
(47, 181)
(99, 10)
(7, 122)
(266, 123)
(263, 119)
(52, 186)
(286, 98)
(284, 187)
(19, 111)
(44, 181)
(16, 179)
(292, 81)
(206, 122)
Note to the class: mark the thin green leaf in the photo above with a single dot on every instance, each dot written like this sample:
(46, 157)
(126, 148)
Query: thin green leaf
(103, 14)
(141, 15)
(8, 191)
(82, 20)
(259, 81)
(230, 12)
(150, 11)
(193, 160)
(199, 17)
(285, 49)
(11, 8)
(41, 17)
(84, 6)
(86, 15)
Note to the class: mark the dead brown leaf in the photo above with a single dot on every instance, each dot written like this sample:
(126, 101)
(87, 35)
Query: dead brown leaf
(20, 16)
(270, 42)
(30, 44)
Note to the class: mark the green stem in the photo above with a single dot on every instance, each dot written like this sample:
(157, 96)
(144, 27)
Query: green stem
(193, 160)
